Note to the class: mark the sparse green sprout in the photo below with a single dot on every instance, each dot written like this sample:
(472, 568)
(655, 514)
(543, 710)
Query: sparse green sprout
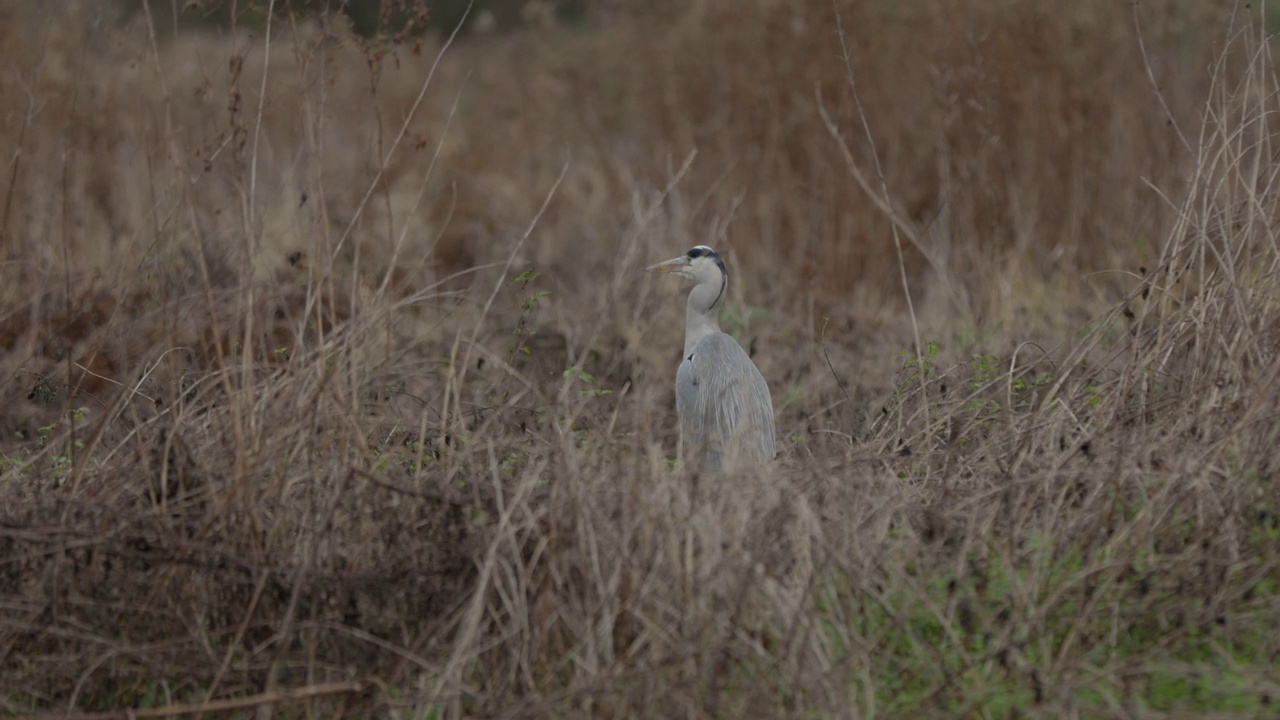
(584, 377)
(985, 369)
(531, 302)
(1096, 394)
(508, 466)
(1040, 380)
(922, 363)
(44, 431)
(524, 278)
(919, 368)
(527, 305)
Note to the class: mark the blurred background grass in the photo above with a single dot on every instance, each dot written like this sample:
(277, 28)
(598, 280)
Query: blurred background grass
(1016, 137)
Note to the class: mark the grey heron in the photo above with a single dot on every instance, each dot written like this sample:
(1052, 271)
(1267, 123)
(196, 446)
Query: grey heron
(725, 409)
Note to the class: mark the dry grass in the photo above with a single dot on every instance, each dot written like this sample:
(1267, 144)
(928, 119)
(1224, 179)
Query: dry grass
(331, 383)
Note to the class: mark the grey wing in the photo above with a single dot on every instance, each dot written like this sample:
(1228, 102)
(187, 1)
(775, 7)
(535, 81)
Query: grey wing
(724, 404)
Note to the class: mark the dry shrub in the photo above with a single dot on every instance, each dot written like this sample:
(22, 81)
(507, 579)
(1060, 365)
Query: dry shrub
(318, 372)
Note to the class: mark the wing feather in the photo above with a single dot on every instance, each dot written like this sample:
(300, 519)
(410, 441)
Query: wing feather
(725, 409)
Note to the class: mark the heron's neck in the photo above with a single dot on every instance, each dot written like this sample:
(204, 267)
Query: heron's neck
(702, 317)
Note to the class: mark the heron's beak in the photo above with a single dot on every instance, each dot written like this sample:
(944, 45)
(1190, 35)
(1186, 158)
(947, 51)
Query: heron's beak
(673, 265)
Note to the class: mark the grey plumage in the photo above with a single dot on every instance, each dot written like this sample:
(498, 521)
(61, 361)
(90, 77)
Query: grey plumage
(724, 405)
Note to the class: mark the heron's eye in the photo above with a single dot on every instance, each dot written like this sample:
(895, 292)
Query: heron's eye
(697, 252)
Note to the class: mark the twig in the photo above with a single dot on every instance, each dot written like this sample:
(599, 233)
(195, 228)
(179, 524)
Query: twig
(405, 490)
(1151, 76)
(409, 115)
(279, 696)
(881, 198)
(823, 342)
(506, 267)
(244, 625)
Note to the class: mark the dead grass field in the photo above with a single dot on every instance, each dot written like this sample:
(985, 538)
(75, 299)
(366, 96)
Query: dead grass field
(330, 383)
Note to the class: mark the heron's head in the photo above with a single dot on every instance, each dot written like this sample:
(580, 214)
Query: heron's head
(701, 264)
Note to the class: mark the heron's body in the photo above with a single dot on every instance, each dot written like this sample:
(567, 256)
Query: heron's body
(725, 409)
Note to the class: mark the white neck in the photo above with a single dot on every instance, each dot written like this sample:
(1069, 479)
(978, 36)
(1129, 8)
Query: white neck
(701, 315)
